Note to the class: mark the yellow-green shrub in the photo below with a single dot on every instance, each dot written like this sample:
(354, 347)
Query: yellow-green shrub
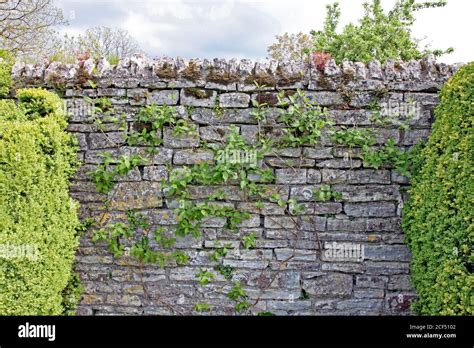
(6, 63)
(38, 103)
(37, 157)
(438, 219)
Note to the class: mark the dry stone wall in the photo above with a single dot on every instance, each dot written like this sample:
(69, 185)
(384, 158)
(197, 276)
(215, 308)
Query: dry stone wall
(290, 270)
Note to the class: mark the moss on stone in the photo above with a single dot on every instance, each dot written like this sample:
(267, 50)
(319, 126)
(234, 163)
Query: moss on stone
(222, 77)
(262, 79)
(167, 71)
(271, 98)
(83, 76)
(197, 93)
(287, 79)
(57, 82)
(323, 82)
(192, 71)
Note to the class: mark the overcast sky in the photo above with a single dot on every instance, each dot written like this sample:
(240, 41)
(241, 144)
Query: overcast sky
(245, 28)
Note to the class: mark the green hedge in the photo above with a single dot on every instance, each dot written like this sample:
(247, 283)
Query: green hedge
(6, 62)
(37, 158)
(438, 219)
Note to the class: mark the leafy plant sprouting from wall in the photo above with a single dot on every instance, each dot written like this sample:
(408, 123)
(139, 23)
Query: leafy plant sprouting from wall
(304, 120)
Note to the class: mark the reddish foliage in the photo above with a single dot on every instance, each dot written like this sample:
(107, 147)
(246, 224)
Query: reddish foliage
(82, 56)
(320, 59)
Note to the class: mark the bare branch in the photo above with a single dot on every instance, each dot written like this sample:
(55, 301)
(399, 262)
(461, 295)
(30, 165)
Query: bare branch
(25, 24)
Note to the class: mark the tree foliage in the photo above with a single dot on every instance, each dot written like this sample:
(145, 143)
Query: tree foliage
(378, 35)
(290, 47)
(110, 43)
(96, 42)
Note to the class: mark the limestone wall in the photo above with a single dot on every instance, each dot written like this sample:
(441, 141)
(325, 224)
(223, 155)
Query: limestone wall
(289, 271)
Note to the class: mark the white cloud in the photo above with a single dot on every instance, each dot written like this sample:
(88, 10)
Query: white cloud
(244, 28)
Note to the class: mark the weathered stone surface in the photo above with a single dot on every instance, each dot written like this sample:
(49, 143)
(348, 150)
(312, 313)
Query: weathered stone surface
(198, 97)
(414, 136)
(372, 282)
(387, 253)
(246, 264)
(333, 284)
(339, 224)
(285, 152)
(314, 176)
(232, 193)
(289, 162)
(269, 191)
(303, 193)
(368, 193)
(252, 221)
(155, 173)
(400, 282)
(215, 133)
(111, 92)
(360, 306)
(228, 116)
(249, 133)
(339, 163)
(369, 293)
(295, 255)
(288, 305)
(193, 156)
(351, 117)
(370, 209)
(174, 141)
(291, 176)
(280, 222)
(213, 96)
(327, 208)
(325, 98)
(385, 225)
(312, 223)
(136, 195)
(234, 100)
(399, 302)
(317, 153)
(399, 179)
(165, 97)
(137, 95)
(106, 140)
(360, 176)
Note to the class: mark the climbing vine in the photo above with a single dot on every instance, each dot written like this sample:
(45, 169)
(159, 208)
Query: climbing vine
(300, 121)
